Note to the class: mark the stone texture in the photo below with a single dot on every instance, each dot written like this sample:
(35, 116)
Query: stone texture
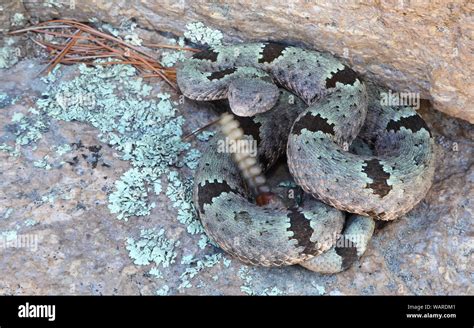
(81, 245)
(8, 9)
(419, 46)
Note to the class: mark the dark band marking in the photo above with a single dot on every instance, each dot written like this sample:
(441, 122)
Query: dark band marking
(347, 250)
(344, 76)
(270, 52)
(220, 74)
(207, 54)
(314, 124)
(374, 170)
(210, 190)
(250, 127)
(413, 123)
(302, 231)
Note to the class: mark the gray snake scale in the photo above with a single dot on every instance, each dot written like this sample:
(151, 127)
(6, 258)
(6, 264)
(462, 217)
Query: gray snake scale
(385, 172)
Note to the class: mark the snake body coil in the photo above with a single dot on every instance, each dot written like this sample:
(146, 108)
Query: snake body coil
(384, 173)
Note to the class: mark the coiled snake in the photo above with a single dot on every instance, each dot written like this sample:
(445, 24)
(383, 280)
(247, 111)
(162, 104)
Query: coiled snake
(343, 147)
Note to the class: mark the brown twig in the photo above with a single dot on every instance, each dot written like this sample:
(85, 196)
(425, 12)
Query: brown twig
(62, 53)
(93, 31)
(201, 129)
(88, 43)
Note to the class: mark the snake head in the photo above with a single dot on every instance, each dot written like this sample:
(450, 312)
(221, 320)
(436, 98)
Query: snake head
(251, 96)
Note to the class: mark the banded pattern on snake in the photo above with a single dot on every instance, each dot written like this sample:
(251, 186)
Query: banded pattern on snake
(343, 147)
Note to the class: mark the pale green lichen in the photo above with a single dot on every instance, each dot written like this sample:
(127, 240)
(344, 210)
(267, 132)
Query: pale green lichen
(146, 131)
(8, 236)
(335, 293)
(226, 262)
(7, 213)
(52, 3)
(192, 158)
(4, 100)
(187, 259)
(127, 30)
(10, 150)
(196, 266)
(17, 117)
(30, 222)
(66, 197)
(247, 279)
(203, 241)
(49, 198)
(248, 288)
(273, 291)
(63, 149)
(152, 247)
(197, 32)
(130, 196)
(131, 35)
(205, 135)
(43, 163)
(52, 76)
(157, 188)
(320, 290)
(180, 193)
(170, 58)
(8, 56)
(163, 291)
(155, 272)
(28, 128)
(18, 19)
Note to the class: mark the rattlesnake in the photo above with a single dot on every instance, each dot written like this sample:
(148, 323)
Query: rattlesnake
(386, 171)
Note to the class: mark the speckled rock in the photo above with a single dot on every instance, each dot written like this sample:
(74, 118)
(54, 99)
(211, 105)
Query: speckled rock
(417, 46)
(12, 15)
(81, 248)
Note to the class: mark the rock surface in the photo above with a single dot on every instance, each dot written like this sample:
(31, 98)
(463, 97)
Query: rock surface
(57, 209)
(418, 46)
(82, 248)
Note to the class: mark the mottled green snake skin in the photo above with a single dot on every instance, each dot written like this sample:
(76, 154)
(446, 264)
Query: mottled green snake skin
(348, 153)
